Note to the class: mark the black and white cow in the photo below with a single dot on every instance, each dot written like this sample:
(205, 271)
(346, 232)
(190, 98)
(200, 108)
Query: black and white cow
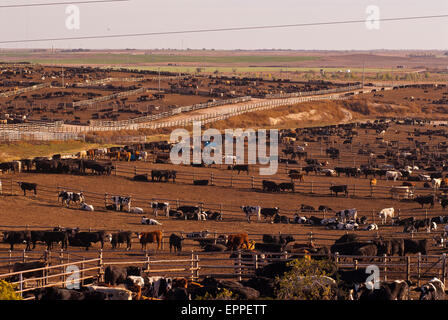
(121, 202)
(252, 211)
(433, 290)
(163, 206)
(67, 197)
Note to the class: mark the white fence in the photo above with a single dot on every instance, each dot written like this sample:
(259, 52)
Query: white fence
(39, 136)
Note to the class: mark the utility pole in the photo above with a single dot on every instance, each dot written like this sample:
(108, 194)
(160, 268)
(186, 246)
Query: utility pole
(159, 79)
(363, 69)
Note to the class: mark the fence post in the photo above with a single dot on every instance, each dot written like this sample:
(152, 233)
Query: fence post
(443, 267)
(385, 266)
(253, 182)
(9, 261)
(419, 259)
(312, 187)
(147, 261)
(408, 268)
(211, 179)
(100, 265)
(240, 271)
(255, 257)
(21, 283)
(197, 267)
(192, 266)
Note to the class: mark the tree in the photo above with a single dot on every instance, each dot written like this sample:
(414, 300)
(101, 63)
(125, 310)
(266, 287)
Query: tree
(7, 291)
(223, 295)
(308, 280)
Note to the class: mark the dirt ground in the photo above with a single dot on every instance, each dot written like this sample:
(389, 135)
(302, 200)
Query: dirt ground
(44, 210)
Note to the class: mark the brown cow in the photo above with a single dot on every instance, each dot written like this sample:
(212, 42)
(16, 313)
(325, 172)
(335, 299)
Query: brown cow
(150, 237)
(296, 176)
(236, 241)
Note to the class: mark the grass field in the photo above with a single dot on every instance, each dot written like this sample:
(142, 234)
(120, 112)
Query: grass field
(109, 58)
(21, 150)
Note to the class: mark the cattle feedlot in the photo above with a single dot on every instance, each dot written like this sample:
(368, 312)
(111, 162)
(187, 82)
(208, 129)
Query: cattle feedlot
(252, 174)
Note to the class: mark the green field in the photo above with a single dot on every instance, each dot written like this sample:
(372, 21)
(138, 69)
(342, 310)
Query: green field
(113, 59)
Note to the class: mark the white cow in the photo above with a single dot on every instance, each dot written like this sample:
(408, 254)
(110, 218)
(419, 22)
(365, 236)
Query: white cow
(402, 191)
(325, 222)
(347, 215)
(150, 221)
(252, 211)
(164, 206)
(393, 175)
(371, 227)
(136, 210)
(299, 219)
(385, 213)
(351, 226)
(86, 207)
(436, 182)
(329, 172)
(424, 177)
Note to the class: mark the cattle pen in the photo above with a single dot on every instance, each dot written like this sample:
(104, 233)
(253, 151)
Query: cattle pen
(233, 212)
(70, 268)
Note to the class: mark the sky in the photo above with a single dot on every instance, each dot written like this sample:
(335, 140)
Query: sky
(145, 16)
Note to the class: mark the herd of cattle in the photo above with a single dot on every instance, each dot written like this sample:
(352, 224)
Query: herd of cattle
(132, 282)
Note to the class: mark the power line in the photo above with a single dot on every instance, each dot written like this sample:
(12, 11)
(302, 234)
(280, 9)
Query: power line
(220, 29)
(57, 3)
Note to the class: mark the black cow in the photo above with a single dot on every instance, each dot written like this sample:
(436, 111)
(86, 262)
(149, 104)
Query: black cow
(23, 266)
(305, 208)
(286, 186)
(315, 220)
(141, 177)
(416, 246)
(211, 247)
(53, 293)
(56, 236)
(114, 275)
(338, 189)
(422, 224)
(324, 208)
(200, 182)
(37, 236)
(269, 212)
(85, 239)
(281, 239)
(239, 168)
(422, 200)
(28, 186)
(443, 203)
(176, 242)
(270, 186)
(16, 237)
(269, 247)
(163, 174)
(121, 237)
(280, 219)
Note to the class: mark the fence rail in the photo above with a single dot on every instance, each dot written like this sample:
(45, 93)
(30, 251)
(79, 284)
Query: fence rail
(242, 264)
